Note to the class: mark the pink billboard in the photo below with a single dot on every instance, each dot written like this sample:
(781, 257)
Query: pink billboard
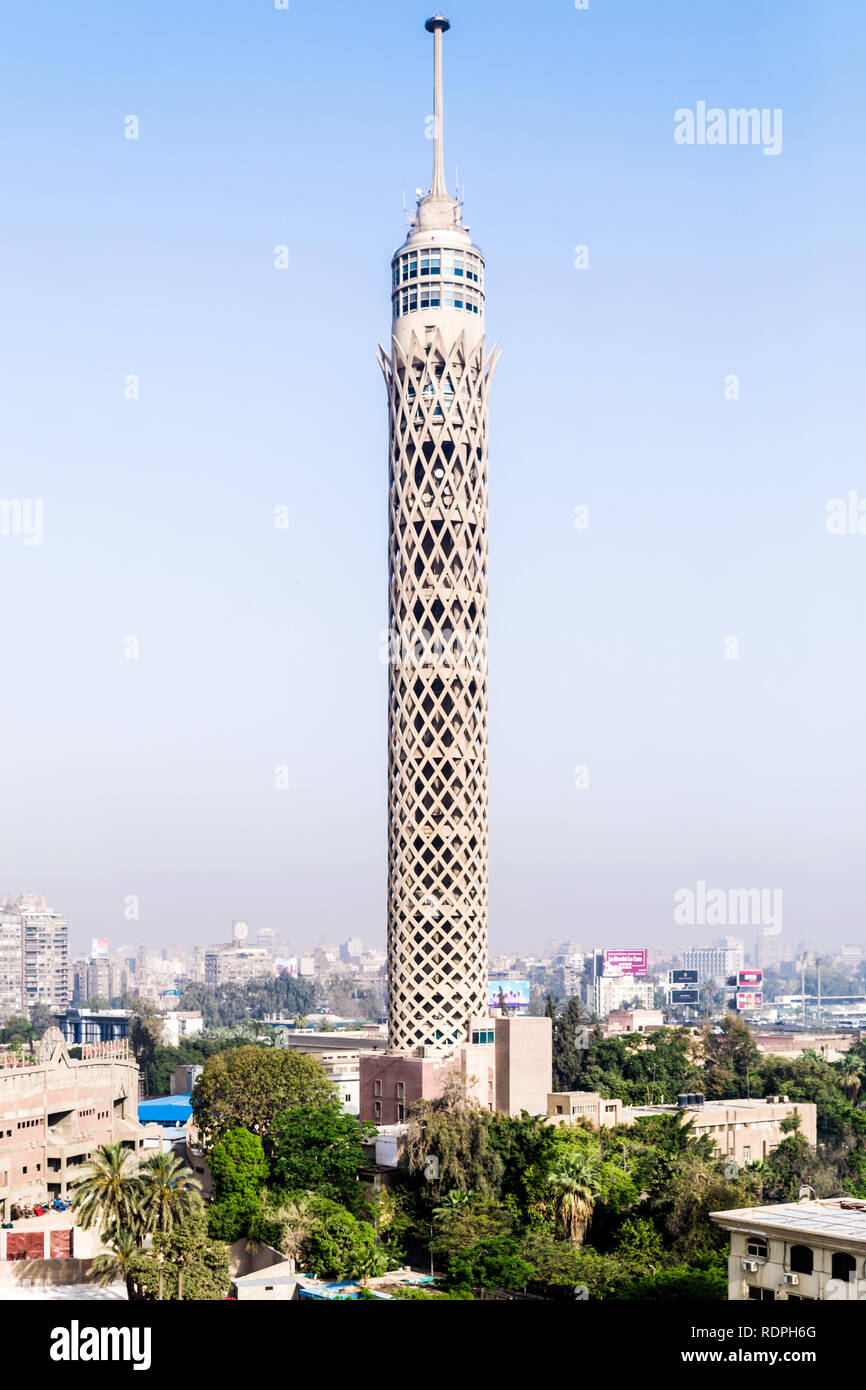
(629, 962)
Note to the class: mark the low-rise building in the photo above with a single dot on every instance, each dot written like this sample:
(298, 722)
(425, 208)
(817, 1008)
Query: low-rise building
(743, 1130)
(180, 1023)
(571, 1107)
(797, 1251)
(54, 1112)
(80, 1025)
(506, 1062)
(632, 1021)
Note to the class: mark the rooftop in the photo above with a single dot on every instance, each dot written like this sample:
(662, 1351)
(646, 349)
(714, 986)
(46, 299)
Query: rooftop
(837, 1219)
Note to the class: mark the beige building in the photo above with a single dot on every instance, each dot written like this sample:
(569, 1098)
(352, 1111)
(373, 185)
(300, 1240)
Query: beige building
(54, 1112)
(632, 1021)
(573, 1107)
(744, 1130)
(236, 965)
(797, 1251)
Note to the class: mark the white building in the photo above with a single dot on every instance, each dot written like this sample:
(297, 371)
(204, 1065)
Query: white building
(180, 1023)
(716, 962)
(797, 1251)
(614, 992)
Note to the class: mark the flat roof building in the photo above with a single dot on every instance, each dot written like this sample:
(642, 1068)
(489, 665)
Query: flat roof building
(797, 1251)
(54, 1112)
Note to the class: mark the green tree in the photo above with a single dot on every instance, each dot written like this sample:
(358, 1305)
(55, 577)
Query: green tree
(239, 1166)
(42, 1018)
(730, 1054)
(17, 1031)
(462, 1225)
(192, 1266)
(495, 1263)
(677, 1284)
(454, 1129)
(337, 1244)
(251, 1087)
(170, 1192)
(108, 1191)
(145, 1032)
(569, 1024)
(527, 1146)
(318, 1147)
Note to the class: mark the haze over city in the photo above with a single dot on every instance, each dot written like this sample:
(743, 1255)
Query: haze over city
(194, 701)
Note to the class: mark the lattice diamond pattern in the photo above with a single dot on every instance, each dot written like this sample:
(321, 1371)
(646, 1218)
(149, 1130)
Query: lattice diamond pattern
(437, 732)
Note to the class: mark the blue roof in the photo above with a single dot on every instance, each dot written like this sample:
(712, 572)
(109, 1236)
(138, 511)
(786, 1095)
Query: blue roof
(173, 1110)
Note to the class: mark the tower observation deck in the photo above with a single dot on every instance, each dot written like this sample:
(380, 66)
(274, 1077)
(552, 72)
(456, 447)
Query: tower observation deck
(438, 378)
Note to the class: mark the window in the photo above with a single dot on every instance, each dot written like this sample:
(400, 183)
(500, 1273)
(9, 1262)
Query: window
(802, 1260)
(762, 1295)
(401, 1090)
(757, 1247)
(347, 1096)
(747, 1154)
(377, 1108)
(843, 1266)
(401, 1112)
(377, 1088)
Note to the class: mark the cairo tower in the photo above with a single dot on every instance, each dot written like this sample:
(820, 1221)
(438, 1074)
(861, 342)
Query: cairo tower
(438, 375)
(438, 381)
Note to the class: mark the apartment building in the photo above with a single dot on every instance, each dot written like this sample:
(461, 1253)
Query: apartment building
(34, 956)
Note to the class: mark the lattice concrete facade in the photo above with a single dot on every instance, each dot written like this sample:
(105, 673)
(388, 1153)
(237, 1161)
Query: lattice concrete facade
(438, 377)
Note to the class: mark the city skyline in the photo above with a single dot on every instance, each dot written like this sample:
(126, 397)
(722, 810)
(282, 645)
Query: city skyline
(150, 772)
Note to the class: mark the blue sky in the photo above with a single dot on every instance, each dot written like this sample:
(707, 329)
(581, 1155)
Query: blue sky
(259, 648)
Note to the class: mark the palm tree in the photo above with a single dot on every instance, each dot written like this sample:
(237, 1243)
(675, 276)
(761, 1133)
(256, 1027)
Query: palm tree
(850, 1083)
(169, 1191)
(455, 1198)
(296, 1219)
(115, 1264)
(108, 1192)
(575, 1188)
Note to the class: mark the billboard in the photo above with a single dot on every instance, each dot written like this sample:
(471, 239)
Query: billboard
(516, 993)
(685, 996)
(749, 1000)
(750, 977)
(628, 962)
(684, 977)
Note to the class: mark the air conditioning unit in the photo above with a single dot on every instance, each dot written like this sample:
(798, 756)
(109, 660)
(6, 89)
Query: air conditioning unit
(750, 1266)
(792, 1279)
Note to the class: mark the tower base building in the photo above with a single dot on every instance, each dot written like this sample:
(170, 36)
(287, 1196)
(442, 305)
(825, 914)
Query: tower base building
(507, 1063)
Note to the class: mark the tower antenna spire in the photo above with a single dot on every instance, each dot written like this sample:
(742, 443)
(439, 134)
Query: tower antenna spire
(437, 26)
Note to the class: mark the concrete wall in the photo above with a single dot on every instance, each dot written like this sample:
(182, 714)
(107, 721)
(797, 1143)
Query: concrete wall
(524, 1064)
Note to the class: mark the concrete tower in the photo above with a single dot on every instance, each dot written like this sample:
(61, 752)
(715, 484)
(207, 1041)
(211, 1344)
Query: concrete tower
(438, 379)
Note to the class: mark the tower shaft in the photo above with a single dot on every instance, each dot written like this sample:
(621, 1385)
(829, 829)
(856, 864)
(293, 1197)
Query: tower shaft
(438, 379)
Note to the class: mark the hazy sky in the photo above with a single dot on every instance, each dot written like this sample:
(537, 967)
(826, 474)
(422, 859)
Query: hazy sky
(258, 647)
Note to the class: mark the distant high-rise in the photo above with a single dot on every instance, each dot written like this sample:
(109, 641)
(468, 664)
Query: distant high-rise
(34, 956)
(438, 377)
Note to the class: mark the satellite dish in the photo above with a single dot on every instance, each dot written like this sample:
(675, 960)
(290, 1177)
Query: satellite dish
(239, 931)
